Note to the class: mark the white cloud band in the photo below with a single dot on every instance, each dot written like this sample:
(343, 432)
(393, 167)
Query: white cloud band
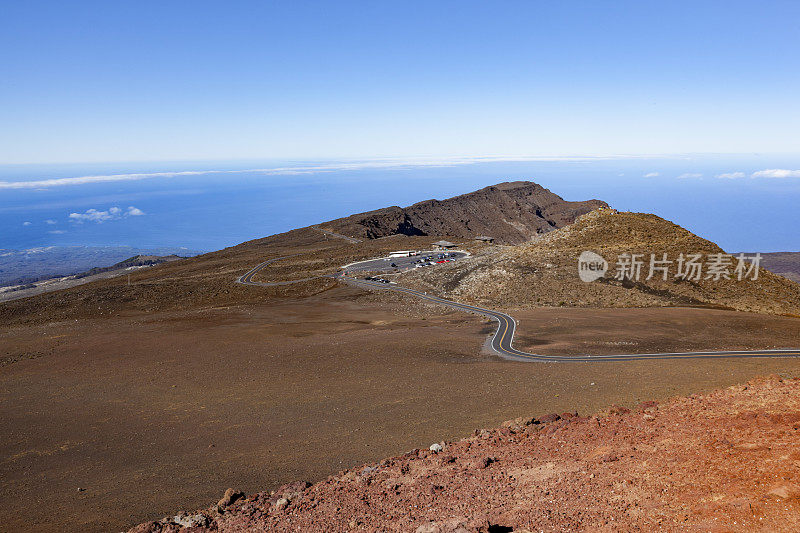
(112, 213)
(299, 170)
(731, 175)
(777, 173)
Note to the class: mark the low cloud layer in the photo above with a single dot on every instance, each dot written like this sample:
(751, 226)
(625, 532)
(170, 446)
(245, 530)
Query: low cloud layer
(777, 173)
(652, 175)
(113, 213)
(731, 175)
(299, 170)
(689, 175)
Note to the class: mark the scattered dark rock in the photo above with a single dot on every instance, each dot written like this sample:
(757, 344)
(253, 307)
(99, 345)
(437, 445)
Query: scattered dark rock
(483, 433)
(367, 470)
(546, 419)
(609, 457)
(533, 429)
(290, 491)
(452, 525)
(649, 405)
(485, 462)
(186, 520)
(519, 422)
(229, 497)
(281, 504)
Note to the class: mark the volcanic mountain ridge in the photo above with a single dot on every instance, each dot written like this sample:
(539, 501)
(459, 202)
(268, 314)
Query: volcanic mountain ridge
(543, 272)
(510, 213)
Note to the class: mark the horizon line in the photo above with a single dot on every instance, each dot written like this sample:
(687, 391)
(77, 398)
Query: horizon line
(323, 166)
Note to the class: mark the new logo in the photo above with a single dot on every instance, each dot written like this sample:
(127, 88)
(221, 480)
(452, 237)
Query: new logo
(591, 266)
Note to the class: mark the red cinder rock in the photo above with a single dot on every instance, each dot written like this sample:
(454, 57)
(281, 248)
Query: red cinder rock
(649, 405)
(786, 491)
(483, 462)
(610, 472)
(546, 419)
(229, 497)
(519, 422)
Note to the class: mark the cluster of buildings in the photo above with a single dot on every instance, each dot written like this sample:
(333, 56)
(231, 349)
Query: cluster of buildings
(438, 245)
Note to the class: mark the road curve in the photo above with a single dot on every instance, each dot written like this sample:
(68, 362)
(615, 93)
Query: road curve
(351, 240)
(504, 336)
(247, 279)
(502, 341)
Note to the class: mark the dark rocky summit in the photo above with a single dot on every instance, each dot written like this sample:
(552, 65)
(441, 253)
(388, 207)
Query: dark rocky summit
(511, 213)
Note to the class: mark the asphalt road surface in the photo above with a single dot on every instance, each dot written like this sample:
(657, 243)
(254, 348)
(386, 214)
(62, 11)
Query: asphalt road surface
(247, 279)
(403, 263)
(504, 336)
(337, 235)
(502, 341)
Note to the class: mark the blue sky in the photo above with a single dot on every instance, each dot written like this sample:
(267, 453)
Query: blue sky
(192, 80)
(295, 107)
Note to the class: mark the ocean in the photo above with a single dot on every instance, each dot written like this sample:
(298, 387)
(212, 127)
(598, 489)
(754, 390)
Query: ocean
(211, 205)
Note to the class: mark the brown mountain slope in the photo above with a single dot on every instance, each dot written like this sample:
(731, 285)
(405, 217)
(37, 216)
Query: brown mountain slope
(207, 281)
(544, 271)
(786, 264)
(511, 213)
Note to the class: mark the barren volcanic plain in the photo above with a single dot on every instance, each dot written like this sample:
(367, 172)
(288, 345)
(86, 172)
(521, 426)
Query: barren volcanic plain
(125, 403)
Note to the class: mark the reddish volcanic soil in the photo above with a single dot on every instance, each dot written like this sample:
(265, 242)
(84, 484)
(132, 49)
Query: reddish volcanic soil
(151, 413)
(726, 461)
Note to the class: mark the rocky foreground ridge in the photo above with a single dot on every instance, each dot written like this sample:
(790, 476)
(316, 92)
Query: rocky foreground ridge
(725, 461)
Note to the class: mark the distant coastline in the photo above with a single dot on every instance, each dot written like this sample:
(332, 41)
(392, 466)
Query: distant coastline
(33, 265)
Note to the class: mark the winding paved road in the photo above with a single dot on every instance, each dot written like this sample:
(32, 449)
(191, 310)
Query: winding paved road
(502, 342)
(504, 336)
(351, 240)
(247, 279)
